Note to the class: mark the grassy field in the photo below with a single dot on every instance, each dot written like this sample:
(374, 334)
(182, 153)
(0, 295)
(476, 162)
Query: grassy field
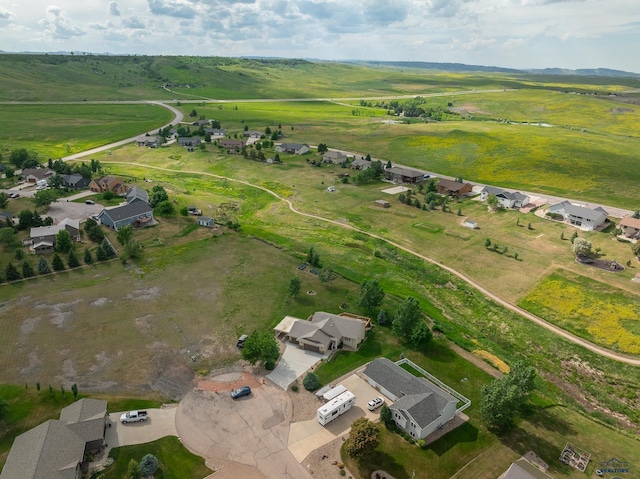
(54, 131)
(174, 461)
(590, 309)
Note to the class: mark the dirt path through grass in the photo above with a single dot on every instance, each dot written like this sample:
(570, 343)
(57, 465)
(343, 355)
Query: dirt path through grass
(560, 332)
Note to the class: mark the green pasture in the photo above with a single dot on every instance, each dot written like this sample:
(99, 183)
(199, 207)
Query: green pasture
(592, 310)
(174, 460)
(54, 131)
(459, 311)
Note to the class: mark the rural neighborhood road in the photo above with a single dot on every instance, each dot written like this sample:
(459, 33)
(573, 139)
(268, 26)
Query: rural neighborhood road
(560, 332)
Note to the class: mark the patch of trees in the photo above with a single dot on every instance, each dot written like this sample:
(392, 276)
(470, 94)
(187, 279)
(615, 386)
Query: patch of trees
(503, 398)
(408, 323)
(32, 219)
(363, 439)
(371, 174)
(261, 347)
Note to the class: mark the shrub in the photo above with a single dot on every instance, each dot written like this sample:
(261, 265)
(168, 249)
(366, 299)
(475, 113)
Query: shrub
(294, 388)
(311, 382)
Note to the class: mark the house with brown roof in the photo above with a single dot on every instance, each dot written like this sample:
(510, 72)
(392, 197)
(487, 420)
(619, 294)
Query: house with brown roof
(232, 145)
(108, 183)
(33, 175)
(323, 332)
(454, 189)
(630, 227)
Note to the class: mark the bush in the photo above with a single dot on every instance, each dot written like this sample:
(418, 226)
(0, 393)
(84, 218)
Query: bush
(294, 388)
(311, 382)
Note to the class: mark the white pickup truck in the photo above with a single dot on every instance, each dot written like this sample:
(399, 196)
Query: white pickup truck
(133, 416)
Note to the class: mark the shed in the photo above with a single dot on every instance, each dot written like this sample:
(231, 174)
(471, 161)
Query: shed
(205, 221)
(470, 224)
(382, 204)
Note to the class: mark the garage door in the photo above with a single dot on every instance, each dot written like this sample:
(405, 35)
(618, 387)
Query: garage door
(309, 347)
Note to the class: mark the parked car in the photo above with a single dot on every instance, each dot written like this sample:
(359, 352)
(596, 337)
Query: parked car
(243, 391)
(89, 202)
(14, 195)
(241, 340)
(375, 403)
(133, 416)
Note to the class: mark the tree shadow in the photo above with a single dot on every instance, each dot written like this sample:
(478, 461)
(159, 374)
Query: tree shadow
(521, 441)
(387, 463)
(543, 419)
(440, 353)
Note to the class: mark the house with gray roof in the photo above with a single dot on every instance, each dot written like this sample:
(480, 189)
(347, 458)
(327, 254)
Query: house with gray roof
(189, 141)
(215, 132)
(419, 406)
(33, 175)
(334, 157)
(324, 332)
(523, 469)
(43, 238)
(584, 218)
(137, 213)
(56, 448)
(399, 174)
(293, 148)
(75, 181)
(151, 141)
(137, 192)
(506, 199)
(360, 164)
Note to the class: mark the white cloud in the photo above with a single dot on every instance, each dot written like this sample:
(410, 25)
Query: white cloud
(58, 25)
(113, 9)
(6, 14)
(133, 22)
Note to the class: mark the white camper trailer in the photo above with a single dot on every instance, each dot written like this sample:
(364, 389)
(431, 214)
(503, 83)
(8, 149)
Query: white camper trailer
(334, 408)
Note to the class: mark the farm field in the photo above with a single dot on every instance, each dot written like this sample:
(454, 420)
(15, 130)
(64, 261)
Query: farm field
(54, 131)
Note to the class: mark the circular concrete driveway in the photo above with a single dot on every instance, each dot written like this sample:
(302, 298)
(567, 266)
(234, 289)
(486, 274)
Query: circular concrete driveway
(243, 438)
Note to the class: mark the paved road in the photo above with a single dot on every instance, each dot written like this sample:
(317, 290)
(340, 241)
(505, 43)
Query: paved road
(570, 337)
(292, 364)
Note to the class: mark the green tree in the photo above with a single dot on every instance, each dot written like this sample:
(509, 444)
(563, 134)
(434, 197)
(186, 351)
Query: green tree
(382, 318)
(108, 249)
(164, 208)
(581, 247)
(635, 248)
(148, 465)
(573, 236)
(294, 286)
(44, 198)
(487, 243)
(385, 414)
(261, 347)
(93, 230)
(371, 295)
(88, 259)
(56, 181)
(363, 439)
(72, 260)
(18, 254)
(503, 398)
(133, 469)
(406, 317)
(184, 211)
(108, 195)
(124, 234)
(158, 195)
(63, 241)
(459, 211)
(492, 201)
(421, 335)
(325, 275)
(74, 390)
(389, 165)
(11, 273)
(4, 200)
(57, 263)
(101, 254)
(27, 270)
(8, 236)
(311, 382)
(43, 266)
(313, 258)
(322, 148)
(132, 250)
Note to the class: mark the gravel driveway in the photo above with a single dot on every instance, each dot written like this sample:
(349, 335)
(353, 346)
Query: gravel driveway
(60, 210)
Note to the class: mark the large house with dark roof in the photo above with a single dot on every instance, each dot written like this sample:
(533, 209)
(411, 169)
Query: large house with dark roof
(419, 406)
(137, 192)
(323, 332)
(33, 175)
(76, 181)
(56, 448)
(43, 238)
(399, 174)
(584, 218)
(506, 199)
(137, 213)
(454, 189)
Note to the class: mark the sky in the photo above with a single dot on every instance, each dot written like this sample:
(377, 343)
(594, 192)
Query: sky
(506, 33)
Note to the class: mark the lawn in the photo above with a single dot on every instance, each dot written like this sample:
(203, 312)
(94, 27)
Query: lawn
(590, 309)
(174, 460)
(54, 131)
